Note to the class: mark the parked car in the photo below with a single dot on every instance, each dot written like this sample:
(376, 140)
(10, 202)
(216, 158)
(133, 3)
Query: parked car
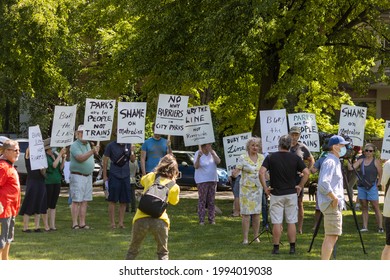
(185, 160)
(20, 164)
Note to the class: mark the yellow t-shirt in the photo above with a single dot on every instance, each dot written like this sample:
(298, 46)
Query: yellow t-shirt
(173, 196)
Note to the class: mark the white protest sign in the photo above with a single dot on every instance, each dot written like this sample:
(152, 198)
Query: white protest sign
(171, 114)
(309, 132)
(98, 119)
(62, 132)
(273, 125)
(131, 122)
(352, 123)
(234, 146)
(198, 129)
(385, 152)
(38, 158)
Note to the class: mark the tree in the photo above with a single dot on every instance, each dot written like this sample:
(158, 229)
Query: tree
(253, 55)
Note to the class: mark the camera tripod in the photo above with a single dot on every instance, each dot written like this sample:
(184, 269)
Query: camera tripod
(266, 228)
(351, 206)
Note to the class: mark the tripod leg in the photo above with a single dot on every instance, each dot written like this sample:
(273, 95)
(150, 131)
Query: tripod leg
(315, 231)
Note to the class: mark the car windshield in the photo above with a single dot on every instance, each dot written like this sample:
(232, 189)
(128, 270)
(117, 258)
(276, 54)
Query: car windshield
(23, 146)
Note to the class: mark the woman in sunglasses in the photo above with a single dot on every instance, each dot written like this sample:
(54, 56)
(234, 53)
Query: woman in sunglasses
(369, 174)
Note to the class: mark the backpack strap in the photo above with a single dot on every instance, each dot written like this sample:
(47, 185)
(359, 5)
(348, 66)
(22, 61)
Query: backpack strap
(169, 185)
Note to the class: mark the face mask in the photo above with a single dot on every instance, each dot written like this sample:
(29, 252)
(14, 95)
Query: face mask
(343, 151)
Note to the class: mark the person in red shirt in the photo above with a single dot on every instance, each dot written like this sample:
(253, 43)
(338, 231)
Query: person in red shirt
(9, 195)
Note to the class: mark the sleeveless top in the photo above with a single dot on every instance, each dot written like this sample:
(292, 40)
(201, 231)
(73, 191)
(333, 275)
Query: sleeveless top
(368, 174)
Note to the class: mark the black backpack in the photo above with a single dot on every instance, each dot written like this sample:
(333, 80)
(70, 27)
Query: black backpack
(155, 200)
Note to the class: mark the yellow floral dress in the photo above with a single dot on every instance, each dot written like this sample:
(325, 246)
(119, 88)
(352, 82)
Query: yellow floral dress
(251, 190)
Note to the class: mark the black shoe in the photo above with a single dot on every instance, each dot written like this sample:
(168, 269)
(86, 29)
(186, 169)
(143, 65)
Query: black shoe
(292, 250)
(275, 251)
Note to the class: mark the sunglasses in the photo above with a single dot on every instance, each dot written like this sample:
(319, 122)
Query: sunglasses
(368, 150)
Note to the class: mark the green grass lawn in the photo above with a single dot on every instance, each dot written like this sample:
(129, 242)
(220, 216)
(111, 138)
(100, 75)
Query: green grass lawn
(187, 240)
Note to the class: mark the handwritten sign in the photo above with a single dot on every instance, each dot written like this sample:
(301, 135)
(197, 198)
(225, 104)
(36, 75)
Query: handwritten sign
(385, 152)
(171, 114)
(273, 125)
(309, 132)
(234, 146)
(352, 123)
(131, 122)
(198, 129)
(62, 132)
(37, 149)
(98, 119)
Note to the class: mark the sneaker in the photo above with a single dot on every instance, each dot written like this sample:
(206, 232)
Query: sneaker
(363, 230)
(245, 242)
(292, 250)
(275, 251)
(357, 206)
(380, 230)
(201, 223)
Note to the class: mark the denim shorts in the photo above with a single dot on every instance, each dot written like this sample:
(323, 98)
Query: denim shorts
(368, 194)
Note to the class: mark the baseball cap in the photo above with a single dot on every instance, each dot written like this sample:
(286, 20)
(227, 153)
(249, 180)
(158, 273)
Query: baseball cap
(337, 139)
(2, 140)
(295, 129)
(80, 127)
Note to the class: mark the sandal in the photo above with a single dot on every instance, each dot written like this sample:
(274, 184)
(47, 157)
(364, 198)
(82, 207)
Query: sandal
(76, 227)
(84, 227)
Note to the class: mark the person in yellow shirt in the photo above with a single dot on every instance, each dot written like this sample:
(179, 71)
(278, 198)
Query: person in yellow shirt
(168, 171)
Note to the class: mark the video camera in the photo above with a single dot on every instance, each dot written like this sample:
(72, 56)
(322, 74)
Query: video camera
(351, 150)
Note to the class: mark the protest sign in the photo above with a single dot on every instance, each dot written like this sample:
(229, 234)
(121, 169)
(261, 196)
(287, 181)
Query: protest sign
(38, 158)
(352, 123)
(62, 133)
(385, 151)
(234, 146)
(131, 122)
(273, 125)
(198, 128)
(309, 132)
(98, 119)
(171, 114)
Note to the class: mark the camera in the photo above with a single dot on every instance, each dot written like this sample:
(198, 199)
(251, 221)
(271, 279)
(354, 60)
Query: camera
(324, 140)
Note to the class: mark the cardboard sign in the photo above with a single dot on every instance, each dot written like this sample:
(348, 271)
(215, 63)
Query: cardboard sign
(385, 152)
(98, 119)
(309, 132)
(62, 133)
(352, 123)
(38, 158)
(171, 114)
(273, 125)
(131, 122)
(199, 126)
(234, 146)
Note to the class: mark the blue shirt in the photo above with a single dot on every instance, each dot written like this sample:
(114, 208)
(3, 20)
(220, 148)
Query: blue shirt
(155, 150)
(114, 151)
(330, 180)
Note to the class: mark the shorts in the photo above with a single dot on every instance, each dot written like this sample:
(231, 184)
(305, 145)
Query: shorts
(118, 189)
(284, 204)
(387, 229)
(80, 188)
(236, 187)
(7, 231)
(333, 221)
(371, 194)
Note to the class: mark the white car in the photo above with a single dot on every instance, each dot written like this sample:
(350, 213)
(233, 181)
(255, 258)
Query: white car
(20, 163)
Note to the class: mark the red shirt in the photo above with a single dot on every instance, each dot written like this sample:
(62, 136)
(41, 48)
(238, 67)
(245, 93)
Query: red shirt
(9, 189)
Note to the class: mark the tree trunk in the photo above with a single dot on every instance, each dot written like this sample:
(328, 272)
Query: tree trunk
(267, 80)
